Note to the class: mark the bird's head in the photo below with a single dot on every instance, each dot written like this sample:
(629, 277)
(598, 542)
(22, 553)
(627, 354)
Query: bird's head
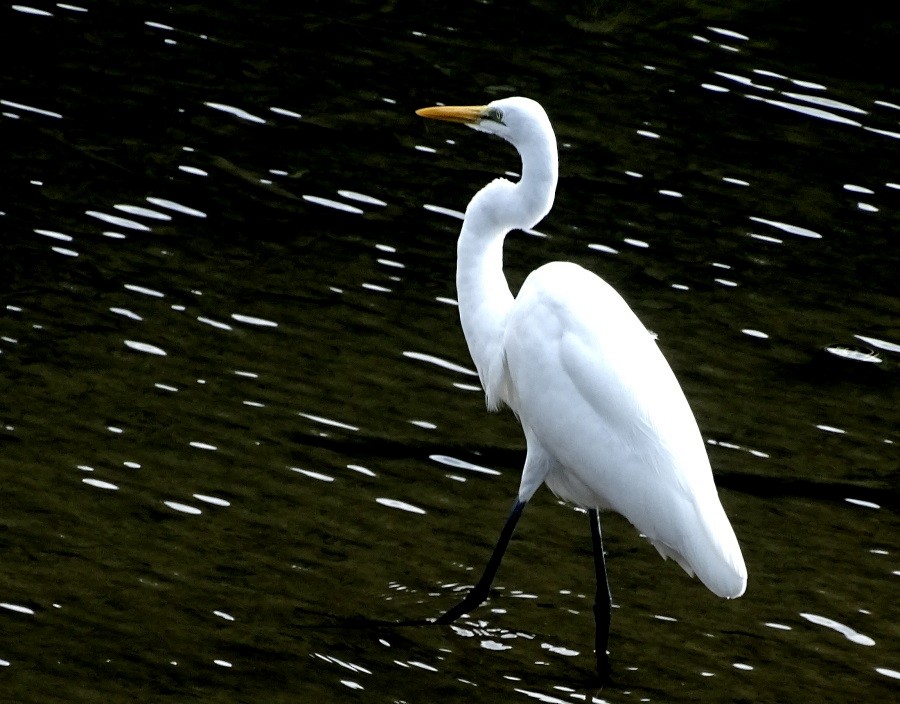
(523, 123)
(517, 120)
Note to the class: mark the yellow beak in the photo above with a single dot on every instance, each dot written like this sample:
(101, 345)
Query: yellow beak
(467, 115)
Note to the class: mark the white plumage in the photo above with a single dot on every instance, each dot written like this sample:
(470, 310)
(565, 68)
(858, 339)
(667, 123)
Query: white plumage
(606, 423)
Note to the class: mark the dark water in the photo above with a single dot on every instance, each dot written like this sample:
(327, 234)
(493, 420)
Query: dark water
(237, 415)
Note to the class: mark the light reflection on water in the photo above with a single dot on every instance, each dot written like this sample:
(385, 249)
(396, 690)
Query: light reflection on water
(248, 391)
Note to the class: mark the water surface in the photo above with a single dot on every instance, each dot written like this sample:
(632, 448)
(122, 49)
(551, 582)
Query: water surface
(240, 421)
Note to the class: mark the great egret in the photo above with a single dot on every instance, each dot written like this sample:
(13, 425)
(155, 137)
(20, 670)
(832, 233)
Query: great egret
(606, 424)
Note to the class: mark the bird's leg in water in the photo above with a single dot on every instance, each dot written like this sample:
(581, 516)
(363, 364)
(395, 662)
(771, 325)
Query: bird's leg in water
(481, 590)
(603, 601)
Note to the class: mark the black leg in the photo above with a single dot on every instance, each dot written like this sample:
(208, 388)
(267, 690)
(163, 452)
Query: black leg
(603, 601)
(481, 590)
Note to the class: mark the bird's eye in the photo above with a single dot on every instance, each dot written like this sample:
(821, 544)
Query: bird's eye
(494, 115)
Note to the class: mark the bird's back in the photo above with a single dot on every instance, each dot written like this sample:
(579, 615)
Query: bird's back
(596, 395)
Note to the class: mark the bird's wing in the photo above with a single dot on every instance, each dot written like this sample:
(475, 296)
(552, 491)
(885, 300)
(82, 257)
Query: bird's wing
(589, 383)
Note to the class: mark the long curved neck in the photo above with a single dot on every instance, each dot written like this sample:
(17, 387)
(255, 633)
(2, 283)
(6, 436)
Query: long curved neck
(483, 294)
(482, 290)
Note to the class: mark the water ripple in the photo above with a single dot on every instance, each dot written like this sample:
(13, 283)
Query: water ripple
(401, 505)
(193, 170)
(541, 697)
(731, 34)
(777, 626)
(328, 421)
(252, 320)
(852, 354)
(884, 133)
(603, 248)
(30, 108)
(31, 11)
(145, 347)
(312, 475)
(125, 312)
(100, 484)
(141, 212)
(462, 464)
(846, 631)
(214, 323)
(361, 470)
(178, 207)
(755, 333)
(202, 446)
(489, 644)
(286, 113)
(55, 235)
(214, 500)
(116, 220)
(336, 205)
(144, 290)
(862, 502)
(734, 446)
(183, 508)
(806, 110)
(880, 344)
(785, 227)
(362, 198)
(237, 112)
(825, 102)
(440, 210)
(431, 359)
(343, 663)
(559, 650)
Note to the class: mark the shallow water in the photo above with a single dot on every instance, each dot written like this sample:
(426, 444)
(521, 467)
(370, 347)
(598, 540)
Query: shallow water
(240, 422)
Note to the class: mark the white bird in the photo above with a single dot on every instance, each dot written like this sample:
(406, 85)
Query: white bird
(606, 423)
